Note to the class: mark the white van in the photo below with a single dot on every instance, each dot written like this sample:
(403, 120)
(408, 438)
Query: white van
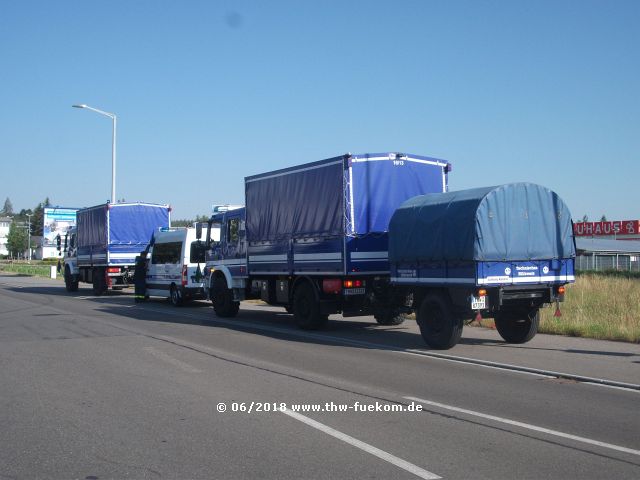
(175, 265)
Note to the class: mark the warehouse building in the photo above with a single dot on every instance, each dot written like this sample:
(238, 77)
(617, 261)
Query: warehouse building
(603, 254)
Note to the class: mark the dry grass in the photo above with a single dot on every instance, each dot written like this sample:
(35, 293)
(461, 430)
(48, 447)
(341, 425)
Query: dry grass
(598, 306)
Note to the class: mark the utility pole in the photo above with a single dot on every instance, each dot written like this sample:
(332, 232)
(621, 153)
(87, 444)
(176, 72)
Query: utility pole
(29, 236)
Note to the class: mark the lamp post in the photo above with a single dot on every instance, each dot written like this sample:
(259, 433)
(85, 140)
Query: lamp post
(29, 236)
(112, 116)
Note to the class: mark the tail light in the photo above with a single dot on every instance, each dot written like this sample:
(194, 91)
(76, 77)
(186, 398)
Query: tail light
(561, 290)
(113, 270)
(353, 283)
(184, 275)
(482, 292)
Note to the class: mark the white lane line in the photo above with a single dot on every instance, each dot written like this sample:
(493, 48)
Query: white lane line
(528, 426)
(387, 457)
(173, 361)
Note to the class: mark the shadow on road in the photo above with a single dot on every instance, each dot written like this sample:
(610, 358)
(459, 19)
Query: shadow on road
(276, 323)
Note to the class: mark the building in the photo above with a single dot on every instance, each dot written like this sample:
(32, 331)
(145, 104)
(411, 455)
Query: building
(602, 254)
(5, 224)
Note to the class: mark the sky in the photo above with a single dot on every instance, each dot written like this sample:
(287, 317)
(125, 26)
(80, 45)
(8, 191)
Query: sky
(208, 92)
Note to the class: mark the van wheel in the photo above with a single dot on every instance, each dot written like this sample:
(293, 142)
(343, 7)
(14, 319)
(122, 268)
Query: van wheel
(439, 327)
(389, 316)
(222, 299)
(70, 284)
(306, 309)
(518, 326)
(99, 282)
(175, 296)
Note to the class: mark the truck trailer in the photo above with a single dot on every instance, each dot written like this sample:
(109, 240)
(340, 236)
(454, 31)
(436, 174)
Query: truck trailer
(500, 252)
(314, 238)
(102, 248)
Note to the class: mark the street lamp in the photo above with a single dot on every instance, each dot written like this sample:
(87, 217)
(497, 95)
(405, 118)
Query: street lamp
(29, 235)
(113, 146)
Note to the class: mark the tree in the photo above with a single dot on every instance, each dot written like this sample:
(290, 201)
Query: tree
(37, 221)
(17, 239)
(189, 223)
(585, 218)
(7, 210)
(603, 218)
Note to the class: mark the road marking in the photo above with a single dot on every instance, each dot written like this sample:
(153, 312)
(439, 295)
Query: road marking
(173, 361)
(528, 426)
(387, 457)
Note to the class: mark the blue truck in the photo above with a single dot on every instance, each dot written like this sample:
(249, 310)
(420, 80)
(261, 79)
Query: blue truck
(501, 252)
(102, 248)
(379, 234)
(313, 238)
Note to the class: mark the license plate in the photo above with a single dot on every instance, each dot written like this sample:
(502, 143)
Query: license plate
(478, 303)
(353, 291)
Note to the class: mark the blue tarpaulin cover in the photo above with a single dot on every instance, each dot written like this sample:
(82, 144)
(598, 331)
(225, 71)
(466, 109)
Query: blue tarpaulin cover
(381, 183)
(297, 202)
(128, 224)
(133, 224)
(515, 222)
(92, 226)
(347, 195)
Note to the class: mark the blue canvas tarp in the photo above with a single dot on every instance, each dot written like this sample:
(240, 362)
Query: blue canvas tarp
(298, 202)
(92, 226)
(513, 222)
(133, 224)
(381, 182)
(348, 195)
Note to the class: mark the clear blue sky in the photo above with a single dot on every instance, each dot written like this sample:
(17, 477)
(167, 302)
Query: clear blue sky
(208, 92)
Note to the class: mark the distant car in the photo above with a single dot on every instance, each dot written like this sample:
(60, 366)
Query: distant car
(175, 265)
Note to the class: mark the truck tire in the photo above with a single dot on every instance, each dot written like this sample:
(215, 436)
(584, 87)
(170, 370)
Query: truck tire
(99, 282)
(306, 309)
(175, 296)
(222, 299)
(518, 326)
(69, 282)
(389, 316)
(439, 328)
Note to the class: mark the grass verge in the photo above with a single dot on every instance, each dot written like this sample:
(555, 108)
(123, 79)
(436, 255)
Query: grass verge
(26, 269)
(598, 306)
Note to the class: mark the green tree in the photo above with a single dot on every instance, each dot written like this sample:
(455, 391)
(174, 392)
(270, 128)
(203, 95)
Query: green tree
(603, 218)
(189, 223)
(7, 210)
(17, 239)
(37, 221)
(585, 218)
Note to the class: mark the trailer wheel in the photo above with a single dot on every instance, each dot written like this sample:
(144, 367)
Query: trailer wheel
(306, 310)
(518, 326)
(99, 282)
(70, 284)
(439, 327)
(222, 299)
(389, 316)
(175, 296)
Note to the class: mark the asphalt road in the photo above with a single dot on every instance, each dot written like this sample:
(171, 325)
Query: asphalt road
(95, 388)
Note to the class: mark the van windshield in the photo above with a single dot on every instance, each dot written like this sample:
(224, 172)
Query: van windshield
(197, 252)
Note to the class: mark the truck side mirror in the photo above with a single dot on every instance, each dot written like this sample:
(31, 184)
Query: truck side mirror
(66, 241)
(198, 231)
(208, 240)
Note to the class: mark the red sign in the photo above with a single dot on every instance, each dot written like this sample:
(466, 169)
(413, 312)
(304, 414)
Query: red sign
(621, 227)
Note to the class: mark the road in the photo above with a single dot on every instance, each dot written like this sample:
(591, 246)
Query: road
(102, 387)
